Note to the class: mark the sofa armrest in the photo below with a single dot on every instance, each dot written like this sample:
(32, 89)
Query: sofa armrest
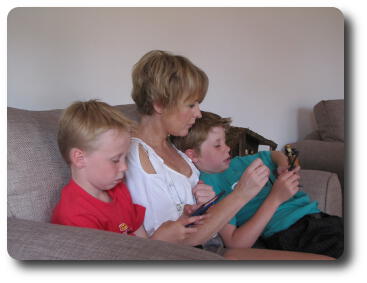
(324, 187)
(322, 155)
(30, 240)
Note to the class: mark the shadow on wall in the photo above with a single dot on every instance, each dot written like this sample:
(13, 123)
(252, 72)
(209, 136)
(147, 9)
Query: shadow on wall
(306, 122)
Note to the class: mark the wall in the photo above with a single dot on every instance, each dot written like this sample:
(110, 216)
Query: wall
(267, 66)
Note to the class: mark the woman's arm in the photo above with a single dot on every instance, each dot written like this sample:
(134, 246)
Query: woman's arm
(172, 231)
(250, 183)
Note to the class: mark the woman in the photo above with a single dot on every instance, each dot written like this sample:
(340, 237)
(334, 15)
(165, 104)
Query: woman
(167, 90)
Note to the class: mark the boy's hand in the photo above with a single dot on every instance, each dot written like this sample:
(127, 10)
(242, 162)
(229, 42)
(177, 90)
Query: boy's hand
(203, 192)
(175, 231)
(282, 169)
(286, 185)
(254, 178)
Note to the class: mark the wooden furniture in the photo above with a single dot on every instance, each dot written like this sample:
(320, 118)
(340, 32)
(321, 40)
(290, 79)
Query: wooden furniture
(243, 141)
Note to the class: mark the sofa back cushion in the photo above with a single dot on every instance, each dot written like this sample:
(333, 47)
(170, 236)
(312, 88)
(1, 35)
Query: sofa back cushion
(36, 170)
(329, 115)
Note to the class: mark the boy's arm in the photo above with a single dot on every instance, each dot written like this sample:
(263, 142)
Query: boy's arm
(279, 158)
(246, 235)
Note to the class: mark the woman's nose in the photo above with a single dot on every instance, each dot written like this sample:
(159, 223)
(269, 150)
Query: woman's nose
(197, 111)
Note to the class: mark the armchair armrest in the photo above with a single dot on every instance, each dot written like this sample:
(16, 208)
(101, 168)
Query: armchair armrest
(324, 187)
(30, 240)
(322, 155)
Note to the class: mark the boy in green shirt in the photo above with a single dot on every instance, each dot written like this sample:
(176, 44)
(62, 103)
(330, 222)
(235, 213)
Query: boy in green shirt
(280, 214)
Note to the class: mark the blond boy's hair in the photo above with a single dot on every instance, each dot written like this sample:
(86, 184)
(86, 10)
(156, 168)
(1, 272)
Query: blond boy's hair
(82, 122)
(164, 78)
(200, 130)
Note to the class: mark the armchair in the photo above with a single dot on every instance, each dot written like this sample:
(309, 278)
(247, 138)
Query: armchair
(323, 149)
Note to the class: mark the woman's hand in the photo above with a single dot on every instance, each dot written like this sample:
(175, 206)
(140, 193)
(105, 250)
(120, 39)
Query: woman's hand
(189, 209)
(176, 231)
(253, 179)
(286, 185)
(203, 192)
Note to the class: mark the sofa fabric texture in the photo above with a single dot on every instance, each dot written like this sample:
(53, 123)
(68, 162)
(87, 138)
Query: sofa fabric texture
(29, 240)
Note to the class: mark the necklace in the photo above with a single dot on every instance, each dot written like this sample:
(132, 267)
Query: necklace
(173, 193)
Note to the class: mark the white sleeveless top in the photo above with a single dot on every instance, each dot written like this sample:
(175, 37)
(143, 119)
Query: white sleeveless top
(162, 194)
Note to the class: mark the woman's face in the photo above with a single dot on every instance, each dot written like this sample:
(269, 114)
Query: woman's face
(179, 120)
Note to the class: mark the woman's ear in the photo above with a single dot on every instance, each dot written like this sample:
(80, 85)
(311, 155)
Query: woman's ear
(77, 157)
(158, 107)
(192, 154)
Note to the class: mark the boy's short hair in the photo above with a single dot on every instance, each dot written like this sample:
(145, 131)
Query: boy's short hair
(200, 130)
(82, 122)
(161, 77)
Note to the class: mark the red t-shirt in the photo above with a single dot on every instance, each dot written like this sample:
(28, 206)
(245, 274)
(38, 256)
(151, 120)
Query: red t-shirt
(78, 208)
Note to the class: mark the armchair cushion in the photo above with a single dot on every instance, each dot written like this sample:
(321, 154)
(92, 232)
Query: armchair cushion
(324, 187)
(322, 155)
(329, 115)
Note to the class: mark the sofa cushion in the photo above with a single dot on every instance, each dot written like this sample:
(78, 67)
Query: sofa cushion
(36, 170)
(30, 240)
(329, 115)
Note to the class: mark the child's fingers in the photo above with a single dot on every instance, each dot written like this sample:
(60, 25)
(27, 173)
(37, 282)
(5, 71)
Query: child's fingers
(288, 174)
(254, 165)
(296, 169)
(201, 187)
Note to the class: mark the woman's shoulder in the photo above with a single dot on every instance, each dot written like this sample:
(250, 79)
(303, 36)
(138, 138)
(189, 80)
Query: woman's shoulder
(139, 155)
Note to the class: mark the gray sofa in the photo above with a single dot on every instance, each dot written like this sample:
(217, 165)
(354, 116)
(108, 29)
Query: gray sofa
(36, 173)
(323, 149)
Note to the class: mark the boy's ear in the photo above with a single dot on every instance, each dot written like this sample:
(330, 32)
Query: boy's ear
(192, 154)
(77, 157)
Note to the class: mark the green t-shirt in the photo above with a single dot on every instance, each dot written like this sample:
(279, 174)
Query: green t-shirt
(287, 213)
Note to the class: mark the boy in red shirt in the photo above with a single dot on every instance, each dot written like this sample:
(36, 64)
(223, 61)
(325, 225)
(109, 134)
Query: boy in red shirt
(94, 139)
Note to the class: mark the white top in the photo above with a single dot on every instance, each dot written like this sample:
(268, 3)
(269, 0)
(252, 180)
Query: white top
(164, 193)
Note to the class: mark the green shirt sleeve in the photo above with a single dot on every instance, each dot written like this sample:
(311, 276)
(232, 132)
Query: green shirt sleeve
(225, 180)
(265, 156)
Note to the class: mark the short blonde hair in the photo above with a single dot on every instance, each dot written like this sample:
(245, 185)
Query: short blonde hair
(198, 133)
(83, 122)
(161, 77)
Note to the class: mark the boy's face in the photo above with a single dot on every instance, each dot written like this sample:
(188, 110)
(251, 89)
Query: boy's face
(106, 164)
(214, 153)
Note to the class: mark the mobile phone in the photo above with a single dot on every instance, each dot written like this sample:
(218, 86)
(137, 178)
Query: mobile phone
(205, 206)
(292, 162)
(292, 155)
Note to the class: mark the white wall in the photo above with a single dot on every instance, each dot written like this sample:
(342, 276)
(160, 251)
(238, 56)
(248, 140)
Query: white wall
(267, 66)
